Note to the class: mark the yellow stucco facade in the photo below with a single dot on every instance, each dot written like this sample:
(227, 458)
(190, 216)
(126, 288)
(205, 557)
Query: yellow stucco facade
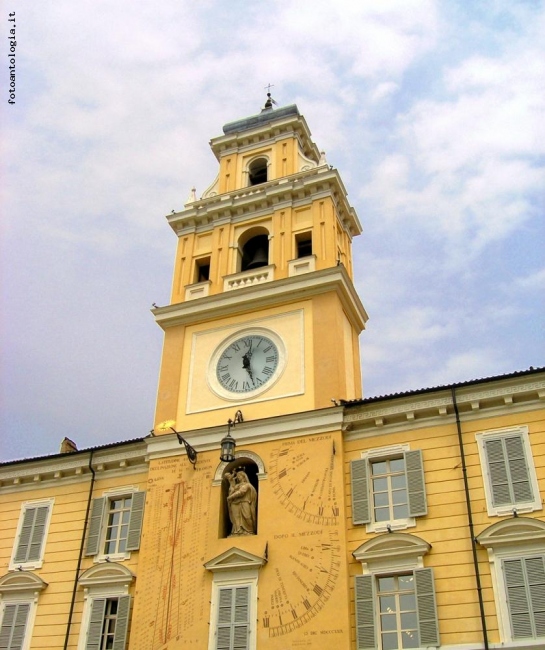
(407, 521)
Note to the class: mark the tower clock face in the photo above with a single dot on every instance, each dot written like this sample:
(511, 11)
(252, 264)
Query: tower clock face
(246, 365)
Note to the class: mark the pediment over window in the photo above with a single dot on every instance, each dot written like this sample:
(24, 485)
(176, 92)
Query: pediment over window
(235, 559)
(392, 547)
(108, 573)
(21, 581)
(518, 530)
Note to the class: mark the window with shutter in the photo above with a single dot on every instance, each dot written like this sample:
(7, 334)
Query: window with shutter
(388, 488)
(233, 626)
(525, 587)
(115, 524)
(508, 470)
(14, 626)
(108, 623)
(396, 611)
(29, 548)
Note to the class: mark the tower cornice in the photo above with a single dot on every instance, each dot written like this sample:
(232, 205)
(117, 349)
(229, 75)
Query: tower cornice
(295, 190)
(267, 126)
(247, 299)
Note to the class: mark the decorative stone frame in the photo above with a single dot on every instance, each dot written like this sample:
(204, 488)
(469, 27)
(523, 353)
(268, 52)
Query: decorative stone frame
(234, 568)
(109, 495)
(512, 538)
(22, 587)
(530, 506)
(392, 552)
(31, 564)
(108, 580)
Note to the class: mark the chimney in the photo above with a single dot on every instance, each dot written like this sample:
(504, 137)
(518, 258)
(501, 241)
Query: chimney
(68, 446)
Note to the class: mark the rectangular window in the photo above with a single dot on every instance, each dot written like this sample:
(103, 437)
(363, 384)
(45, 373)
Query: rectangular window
(202, 269)
(14, 624)
(233, 618)
(525, 587)
(117, 527)
(397, 611)
(108, 625)
(388, 489)
(115, 524)
(303, 242)
(508, 469)
(30, 543)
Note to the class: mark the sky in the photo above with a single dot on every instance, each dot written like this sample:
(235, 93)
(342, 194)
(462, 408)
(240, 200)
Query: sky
(432, 111)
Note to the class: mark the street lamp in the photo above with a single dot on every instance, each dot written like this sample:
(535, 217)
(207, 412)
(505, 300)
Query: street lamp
(228, 443)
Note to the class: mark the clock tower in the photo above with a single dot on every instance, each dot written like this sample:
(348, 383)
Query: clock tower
(246, 551)
(263, 311)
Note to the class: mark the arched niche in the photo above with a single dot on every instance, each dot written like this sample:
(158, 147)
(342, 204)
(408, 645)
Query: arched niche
(252, 466)
(253, 248)
(258, 171)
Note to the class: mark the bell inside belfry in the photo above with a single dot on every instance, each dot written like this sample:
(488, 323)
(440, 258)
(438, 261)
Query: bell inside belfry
(255, 253)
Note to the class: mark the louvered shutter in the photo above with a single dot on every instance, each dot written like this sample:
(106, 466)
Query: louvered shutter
(428, 625)
(14, 622)
(135, 522)
(509, 476)
(518, 469)
(416, 486)
(122, 622)
(32, 534)
(96, 622)
(525, 586)
(233, 618)
(365, 612)
(95, 526)
(360, 492)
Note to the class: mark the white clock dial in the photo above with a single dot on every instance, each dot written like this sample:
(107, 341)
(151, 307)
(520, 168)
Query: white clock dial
(247, 364)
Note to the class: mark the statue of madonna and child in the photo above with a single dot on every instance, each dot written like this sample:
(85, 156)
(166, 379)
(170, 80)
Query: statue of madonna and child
(241, 503)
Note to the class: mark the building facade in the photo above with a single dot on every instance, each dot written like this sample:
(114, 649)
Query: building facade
(407, 521)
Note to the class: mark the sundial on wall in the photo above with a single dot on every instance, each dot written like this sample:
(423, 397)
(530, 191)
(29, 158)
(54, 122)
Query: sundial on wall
(302, 475)
(306, 479)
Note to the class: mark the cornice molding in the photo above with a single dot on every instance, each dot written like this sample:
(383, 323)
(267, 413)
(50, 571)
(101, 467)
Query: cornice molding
(73, 467)
(258, 200)
(238, 301)
(248, 433)
(417, 411)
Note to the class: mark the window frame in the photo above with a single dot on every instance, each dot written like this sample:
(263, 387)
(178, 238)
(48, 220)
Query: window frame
(104, 582)
(36, 563)
(393, 554)
(507, 509)
(511, 539)
(25, 637)
(21, 588)
(225, 576)
(361, 476)
(98, 524)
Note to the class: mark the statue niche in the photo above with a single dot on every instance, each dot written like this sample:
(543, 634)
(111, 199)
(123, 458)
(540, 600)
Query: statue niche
(241, 500)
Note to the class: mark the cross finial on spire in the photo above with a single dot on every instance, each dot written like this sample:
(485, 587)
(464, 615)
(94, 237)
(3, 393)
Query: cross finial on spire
(270, 101)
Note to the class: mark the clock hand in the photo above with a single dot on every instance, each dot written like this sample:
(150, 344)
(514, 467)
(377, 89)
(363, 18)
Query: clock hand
(246, 365)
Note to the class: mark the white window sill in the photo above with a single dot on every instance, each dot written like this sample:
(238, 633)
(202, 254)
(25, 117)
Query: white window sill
(113, 557)
(394, 524)
(26, 566)
(521, 508)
